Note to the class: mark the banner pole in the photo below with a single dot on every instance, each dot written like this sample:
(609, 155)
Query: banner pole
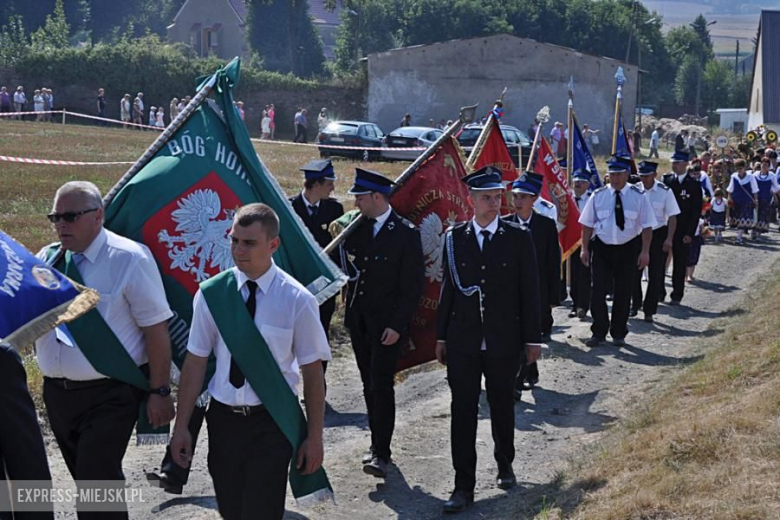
(541, 118)
(570, 132)
(620, 79)
(466, 116)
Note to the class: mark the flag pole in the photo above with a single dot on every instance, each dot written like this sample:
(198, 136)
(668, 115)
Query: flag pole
(541, 118)
(570, 131)
(483, 136)
(620, 79)
(466, 116)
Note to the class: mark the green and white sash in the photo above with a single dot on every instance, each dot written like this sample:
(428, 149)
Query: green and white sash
(251, 352)
(106, 353)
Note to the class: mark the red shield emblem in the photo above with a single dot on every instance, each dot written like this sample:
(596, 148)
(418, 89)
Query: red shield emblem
(189, 236)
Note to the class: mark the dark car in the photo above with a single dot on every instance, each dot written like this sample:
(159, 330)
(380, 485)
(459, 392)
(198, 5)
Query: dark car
(518, 143)
(351, 133)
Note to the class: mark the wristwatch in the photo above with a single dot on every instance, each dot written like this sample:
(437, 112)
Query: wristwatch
(163, 391)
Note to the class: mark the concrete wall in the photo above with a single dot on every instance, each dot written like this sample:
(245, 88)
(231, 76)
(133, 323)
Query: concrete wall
(434, 81)
(208, 13)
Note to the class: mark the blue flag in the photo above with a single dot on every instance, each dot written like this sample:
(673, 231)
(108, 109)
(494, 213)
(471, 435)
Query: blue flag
(583, 160)
(32, 295)
(622, 148)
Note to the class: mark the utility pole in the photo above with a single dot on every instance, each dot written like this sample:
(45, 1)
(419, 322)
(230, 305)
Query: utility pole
(736, 62)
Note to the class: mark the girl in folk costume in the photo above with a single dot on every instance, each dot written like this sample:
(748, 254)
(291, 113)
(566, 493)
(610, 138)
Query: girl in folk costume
(767, 187)
(160, 117)
(743, 193)
(152, 116)
(718, 214)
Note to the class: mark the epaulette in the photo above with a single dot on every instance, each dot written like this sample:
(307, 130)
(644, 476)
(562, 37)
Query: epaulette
(637, 188)
(663, 186)
(407, 223)
(597, 190)
(457, 225)
(546, 204)
(514, 224)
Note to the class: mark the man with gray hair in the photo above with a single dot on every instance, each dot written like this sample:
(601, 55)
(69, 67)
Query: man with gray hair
(104, 367)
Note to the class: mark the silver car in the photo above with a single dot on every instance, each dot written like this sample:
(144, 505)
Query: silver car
(396, 144)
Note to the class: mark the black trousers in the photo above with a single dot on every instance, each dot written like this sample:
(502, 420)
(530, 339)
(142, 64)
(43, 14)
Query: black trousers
(22, 452)
(527, 373)
(656, 271)
(464, 375)
(580, 282)
(249, 458)
(92, 427)
(327, 309)
(680, 254)
(615, 266)
(178, 475)
(377, 364)
(636, 291)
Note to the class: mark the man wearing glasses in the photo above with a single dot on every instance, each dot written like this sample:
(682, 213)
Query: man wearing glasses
(100, 369)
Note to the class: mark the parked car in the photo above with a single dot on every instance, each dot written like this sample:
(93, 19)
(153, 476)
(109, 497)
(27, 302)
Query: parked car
(399, 140)
(351, 133)
(518, 143)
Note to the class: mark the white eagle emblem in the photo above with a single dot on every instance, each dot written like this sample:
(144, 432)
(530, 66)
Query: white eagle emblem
(203, 240)
(432, 235)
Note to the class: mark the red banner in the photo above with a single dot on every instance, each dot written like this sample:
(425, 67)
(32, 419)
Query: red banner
(433, 199)
(495, 153)
(556, 189)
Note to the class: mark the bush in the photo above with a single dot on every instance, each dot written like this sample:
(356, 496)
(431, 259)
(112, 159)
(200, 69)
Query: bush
(146, 64)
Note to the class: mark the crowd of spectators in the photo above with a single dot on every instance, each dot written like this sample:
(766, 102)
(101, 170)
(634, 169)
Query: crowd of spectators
(42, 102)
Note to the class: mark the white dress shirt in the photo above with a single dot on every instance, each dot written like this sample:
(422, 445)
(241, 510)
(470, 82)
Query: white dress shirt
(492, 228)
(583, 200)
(309, 204)
(288, 317)
(599, 214)
(664, 203)
(131, 296)
(381, 219)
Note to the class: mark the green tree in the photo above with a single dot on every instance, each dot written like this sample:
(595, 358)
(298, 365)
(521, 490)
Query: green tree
(14, 43)
(716, 85)
(282, 33)
(55, 31)
(685, 81)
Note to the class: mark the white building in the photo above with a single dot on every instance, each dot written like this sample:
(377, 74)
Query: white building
(764, 106)
(734, 119)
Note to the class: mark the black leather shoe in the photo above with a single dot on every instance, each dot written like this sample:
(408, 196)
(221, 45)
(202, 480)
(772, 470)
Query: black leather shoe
(376, 467)
(368, 455)
(161, 481)
(506, 478)
(648, 318)
(518, 395)
(573, 313)
(633, 314)
(582, 313)
(594, 341)
(619, 342)
(546, 337)
(459, 501)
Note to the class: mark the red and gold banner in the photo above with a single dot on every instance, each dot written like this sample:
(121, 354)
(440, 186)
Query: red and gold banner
(433, 199)
(495, 153)
(556, 189)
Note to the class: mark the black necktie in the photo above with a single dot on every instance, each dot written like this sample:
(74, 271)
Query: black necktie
(237, 378)
(371, 222)
(620, 218)
(577, 199)
(485, 238)
(313, 210)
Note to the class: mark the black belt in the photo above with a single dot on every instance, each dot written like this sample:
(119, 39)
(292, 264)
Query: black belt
(70, 384)
(246, 411)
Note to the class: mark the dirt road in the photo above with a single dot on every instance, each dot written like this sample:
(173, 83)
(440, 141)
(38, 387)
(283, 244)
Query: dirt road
(582, 391)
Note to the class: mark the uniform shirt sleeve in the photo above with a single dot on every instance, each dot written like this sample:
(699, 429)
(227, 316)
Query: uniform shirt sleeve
(309, 341)
(145, 293)
(672, 208)
(203, 331)
(731, 187)
(646, 214)
(588, 216)
(753, 184)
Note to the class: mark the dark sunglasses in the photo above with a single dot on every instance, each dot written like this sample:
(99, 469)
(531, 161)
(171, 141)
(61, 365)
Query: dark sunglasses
(70, 216)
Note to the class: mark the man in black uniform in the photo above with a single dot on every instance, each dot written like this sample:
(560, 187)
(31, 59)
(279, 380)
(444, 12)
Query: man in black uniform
(22, 453)
(317, 210)
(488, 323)
(687, 191)
(385, 263)
(544, 232)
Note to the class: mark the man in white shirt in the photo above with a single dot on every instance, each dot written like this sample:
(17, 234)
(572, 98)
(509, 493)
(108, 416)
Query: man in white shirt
(665, 209)
(93, 406)
(655, 140)
(249, 453)
(612, 221)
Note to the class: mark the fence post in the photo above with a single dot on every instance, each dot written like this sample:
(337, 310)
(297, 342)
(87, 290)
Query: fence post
(63, 116)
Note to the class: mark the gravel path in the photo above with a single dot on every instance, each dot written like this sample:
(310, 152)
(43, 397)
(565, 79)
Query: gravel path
(581, 392)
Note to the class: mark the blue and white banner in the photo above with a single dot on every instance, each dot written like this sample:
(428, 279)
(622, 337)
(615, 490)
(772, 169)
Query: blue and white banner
(582, 158)
(32, 295)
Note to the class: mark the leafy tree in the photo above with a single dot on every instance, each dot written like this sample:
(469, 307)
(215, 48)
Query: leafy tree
(716, 84)
(14, 43)
(55, 30)
(686, 80)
